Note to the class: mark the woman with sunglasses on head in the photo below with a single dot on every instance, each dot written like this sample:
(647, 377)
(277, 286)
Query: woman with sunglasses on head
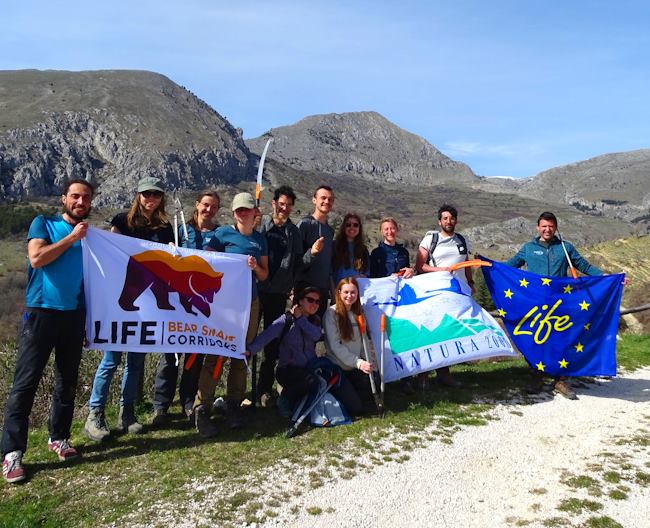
(240, 238)
(350, 251)
(345, 348)
(147, 220)
(298, 332)
(200, 230)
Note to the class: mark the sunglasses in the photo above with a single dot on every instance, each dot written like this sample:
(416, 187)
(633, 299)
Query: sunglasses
(150, 194)
(352, 224)
(312, 300)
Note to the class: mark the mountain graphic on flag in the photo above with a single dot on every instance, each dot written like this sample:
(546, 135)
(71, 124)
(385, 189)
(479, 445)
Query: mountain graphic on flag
(404, 335)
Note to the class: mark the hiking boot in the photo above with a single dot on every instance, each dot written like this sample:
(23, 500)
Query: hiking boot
(234, 416)
(284, 406)
(96, 428)
(447, 381)
(536, 383)
(127, 422)
(63, 449)
(406, 386)
(12, 467)
(562, 387)
(204, 424)
(160, 418)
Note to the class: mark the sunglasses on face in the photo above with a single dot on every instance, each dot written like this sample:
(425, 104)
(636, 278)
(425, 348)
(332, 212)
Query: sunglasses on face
(152, 194)
(352, 224)
(312, 300)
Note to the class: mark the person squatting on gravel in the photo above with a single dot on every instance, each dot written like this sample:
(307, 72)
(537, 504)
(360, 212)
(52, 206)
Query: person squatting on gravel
(200, 231)
(344, 348)
(297, 333)
(146, 220)
(54, 319)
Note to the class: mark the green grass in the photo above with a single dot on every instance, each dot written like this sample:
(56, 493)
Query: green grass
(633, 352)
(577, 506)
(602, 522)
(129, 474)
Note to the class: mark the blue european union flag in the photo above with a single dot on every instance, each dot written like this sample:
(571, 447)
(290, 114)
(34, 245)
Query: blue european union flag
(562, 326)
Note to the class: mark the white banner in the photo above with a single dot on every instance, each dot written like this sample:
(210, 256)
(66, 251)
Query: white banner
(430, 323)
(143, 296)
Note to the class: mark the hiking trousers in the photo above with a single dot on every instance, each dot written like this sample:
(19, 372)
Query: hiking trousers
(42, 331)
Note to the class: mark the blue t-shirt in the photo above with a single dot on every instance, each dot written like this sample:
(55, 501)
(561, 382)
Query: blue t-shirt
(59, 285)
(228, 240)
(196, 239)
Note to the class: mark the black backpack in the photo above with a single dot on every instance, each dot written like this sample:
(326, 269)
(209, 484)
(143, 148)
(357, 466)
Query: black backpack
(435, 236)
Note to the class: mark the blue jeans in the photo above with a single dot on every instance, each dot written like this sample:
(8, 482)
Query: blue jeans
(130, 378)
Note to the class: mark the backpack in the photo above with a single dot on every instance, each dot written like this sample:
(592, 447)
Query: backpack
(435, 236)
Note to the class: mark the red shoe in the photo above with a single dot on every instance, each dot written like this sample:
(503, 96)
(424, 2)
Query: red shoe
(63, 449)
(12, 467)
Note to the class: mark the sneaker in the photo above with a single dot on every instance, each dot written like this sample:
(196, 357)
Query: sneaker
(12, 467)
(160, 418)
(234, 416)
(96, 428)
(205, 426)
(127, 422)
(63, 449)
(562, 387)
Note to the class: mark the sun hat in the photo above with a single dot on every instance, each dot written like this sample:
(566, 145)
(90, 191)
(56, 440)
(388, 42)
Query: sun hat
(244, 200)
(150, 184)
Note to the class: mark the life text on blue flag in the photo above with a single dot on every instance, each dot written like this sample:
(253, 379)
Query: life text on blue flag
(562, 326)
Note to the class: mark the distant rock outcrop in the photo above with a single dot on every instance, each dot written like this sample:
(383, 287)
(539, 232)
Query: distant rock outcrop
(614, 185)
(112, 127)
(360, 144)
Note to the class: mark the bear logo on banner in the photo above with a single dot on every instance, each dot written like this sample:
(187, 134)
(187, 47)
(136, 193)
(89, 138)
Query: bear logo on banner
(191, 277)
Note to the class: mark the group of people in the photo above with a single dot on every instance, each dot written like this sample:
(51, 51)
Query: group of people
(305, 267)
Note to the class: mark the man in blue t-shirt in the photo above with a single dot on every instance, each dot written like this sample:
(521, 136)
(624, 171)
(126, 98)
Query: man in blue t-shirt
(54, 319)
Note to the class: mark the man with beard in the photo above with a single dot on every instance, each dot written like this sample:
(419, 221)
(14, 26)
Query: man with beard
(54, 319)
(438, 251)
(285, 258)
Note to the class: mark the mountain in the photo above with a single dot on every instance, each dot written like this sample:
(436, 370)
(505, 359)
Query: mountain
(614, 185)
(113, 127)
(360, 144)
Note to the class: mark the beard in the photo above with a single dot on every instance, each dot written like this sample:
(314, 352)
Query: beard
(74, 216)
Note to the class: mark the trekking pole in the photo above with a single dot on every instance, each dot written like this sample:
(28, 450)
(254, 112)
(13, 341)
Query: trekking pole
(178, 211)
(294, 428)
(574, 274)
(258, 199)
(383, 352)
(362, 330)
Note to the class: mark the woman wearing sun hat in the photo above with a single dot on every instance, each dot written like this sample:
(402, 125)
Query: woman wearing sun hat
(240, 238)
(147, 220)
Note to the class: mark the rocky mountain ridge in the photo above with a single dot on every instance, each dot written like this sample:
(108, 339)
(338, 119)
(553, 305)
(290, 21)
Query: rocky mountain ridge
(112, 127)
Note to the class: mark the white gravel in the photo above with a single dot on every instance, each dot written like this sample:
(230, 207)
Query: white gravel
(514, 471)
(506, 472)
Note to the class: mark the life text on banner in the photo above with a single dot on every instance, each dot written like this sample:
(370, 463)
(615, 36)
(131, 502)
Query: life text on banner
(431, 322)
(143, 296)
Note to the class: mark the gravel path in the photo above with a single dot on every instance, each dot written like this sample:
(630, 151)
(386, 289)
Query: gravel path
(515, 471)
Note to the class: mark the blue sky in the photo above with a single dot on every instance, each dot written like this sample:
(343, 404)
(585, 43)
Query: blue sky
(509, 87)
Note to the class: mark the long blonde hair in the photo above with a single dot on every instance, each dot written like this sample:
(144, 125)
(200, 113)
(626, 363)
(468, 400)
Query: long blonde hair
(136, 219)
(342, 319)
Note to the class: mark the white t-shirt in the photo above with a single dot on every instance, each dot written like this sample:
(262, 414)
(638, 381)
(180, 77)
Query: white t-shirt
(449, 250)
